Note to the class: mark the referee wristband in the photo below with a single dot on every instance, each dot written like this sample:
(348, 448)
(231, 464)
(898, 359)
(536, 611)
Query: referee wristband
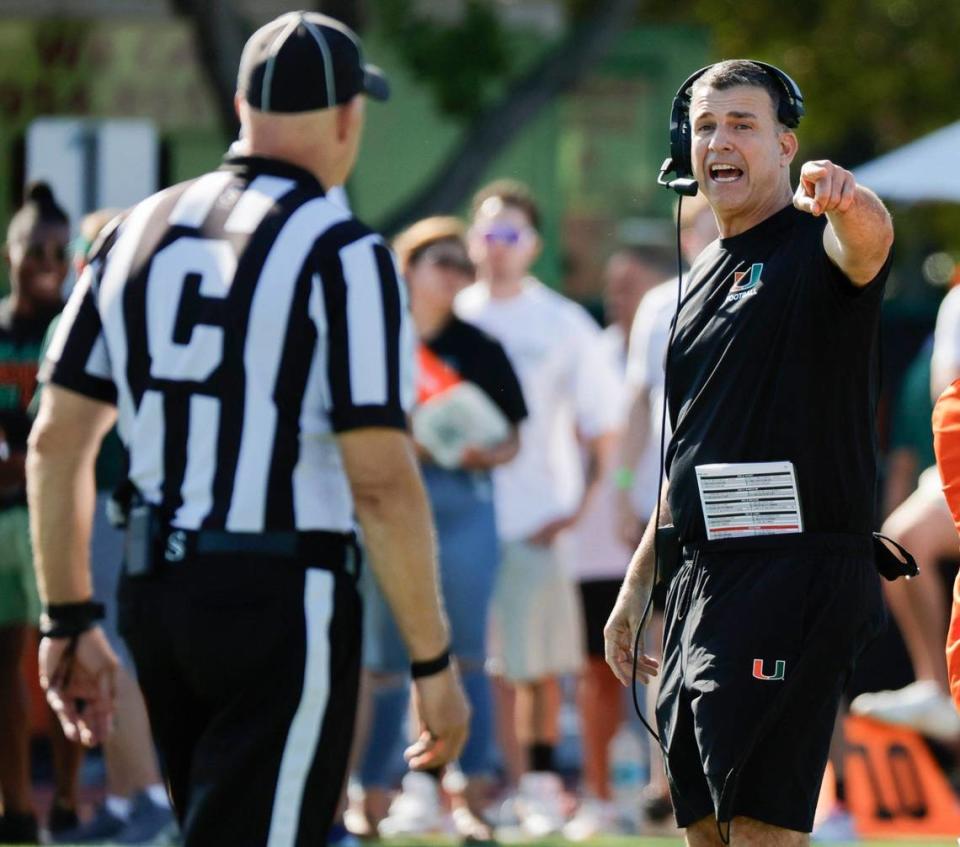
(623, 479)
(430, 666)
(66, 620)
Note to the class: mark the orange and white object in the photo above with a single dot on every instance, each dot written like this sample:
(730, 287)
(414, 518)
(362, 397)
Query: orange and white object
(946, 444)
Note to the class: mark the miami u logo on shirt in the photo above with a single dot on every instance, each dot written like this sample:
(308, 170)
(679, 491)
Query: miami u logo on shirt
(779, 670)
(745, 283)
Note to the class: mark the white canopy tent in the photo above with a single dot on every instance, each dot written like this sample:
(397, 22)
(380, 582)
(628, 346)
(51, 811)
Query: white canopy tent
(925, 169)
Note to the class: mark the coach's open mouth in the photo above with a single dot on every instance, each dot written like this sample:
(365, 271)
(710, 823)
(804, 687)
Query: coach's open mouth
(723, 172)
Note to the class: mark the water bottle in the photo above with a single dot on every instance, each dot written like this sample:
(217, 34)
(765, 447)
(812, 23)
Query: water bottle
(627, 775)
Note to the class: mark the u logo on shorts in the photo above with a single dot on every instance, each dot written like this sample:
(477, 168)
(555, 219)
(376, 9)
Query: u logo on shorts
(779, 670)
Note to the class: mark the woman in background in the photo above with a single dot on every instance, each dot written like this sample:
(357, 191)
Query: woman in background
(464, 376)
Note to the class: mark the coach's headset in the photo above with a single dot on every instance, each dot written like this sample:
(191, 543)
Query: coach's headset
(789, 112)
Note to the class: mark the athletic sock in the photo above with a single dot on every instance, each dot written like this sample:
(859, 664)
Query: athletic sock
(541, 757)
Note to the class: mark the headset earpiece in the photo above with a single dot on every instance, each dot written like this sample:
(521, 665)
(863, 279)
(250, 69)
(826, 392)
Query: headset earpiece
(789, 113)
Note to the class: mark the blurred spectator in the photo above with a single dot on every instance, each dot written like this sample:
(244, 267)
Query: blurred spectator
(638, 479)
(470, 404)
(37, 255)
(911, 439)
(136, 808)
(536, 626)
(600, 557)
(923, 525)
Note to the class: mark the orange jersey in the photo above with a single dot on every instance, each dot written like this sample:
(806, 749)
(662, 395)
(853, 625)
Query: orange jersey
(946, 444)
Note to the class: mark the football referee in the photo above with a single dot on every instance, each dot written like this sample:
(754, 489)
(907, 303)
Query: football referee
(253, 342)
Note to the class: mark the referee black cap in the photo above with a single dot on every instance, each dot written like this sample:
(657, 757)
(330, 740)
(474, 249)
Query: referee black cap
(303, 61)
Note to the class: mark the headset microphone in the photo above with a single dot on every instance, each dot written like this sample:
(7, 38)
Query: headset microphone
(682, 185)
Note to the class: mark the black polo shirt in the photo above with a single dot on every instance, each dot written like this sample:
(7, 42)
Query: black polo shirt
(776, 357)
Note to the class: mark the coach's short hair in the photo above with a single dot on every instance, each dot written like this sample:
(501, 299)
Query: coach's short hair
(733, 72)
(512, 193)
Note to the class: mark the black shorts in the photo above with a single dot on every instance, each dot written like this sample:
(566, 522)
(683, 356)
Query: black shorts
(758, 645)
(599, 597)
(249, 666)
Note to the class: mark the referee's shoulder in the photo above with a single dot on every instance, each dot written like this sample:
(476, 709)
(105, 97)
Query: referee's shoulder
(349, 228)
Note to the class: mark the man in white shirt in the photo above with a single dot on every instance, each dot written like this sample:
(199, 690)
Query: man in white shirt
(537, 632)
(600, 556)
(639, 458)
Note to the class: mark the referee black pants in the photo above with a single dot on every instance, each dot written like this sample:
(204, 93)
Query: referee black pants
(249, 666)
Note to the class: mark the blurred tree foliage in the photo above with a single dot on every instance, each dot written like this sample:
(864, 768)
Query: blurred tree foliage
(875, 74)
(463, 60)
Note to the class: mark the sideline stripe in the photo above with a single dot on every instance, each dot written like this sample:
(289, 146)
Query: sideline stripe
(304, 734)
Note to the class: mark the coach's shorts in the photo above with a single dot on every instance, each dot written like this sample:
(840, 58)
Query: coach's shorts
(19, 601)
(758, 646)
(536, 627)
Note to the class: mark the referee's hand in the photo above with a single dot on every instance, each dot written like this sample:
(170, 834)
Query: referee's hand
(444, 719)
(619, 636)
(80, 683)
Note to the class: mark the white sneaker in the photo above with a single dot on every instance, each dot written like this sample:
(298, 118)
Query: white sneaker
(921, 705)
(594, 817)
(540, 804)
(416, 809)
(836, 826)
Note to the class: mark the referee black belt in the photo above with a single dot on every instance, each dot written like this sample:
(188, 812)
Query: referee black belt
(338, 552)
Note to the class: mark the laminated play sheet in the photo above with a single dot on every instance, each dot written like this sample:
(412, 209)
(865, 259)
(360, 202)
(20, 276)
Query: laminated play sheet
(756, 498)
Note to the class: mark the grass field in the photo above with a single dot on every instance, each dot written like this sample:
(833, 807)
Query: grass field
(635, 841)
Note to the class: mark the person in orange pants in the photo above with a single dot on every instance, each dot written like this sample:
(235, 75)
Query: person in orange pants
(946, 444)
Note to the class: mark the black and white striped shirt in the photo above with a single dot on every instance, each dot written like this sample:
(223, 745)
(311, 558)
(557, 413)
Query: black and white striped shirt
(238, 321)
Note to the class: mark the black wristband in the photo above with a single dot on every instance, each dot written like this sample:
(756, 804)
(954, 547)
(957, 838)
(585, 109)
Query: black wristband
(65, 620)
(431, 666)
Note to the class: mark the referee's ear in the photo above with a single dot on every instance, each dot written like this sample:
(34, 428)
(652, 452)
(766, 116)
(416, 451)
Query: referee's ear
(350, 118)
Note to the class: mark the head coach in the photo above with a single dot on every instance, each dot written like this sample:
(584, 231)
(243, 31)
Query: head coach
(253, 340)
(772, 392)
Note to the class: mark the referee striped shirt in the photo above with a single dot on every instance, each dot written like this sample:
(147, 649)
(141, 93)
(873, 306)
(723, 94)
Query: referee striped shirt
(239, 321)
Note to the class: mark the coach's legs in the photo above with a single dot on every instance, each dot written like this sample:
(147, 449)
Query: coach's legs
(747, 832)
(744, 832)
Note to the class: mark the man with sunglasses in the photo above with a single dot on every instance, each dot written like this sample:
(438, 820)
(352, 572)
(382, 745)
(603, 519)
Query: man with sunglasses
(571, 391)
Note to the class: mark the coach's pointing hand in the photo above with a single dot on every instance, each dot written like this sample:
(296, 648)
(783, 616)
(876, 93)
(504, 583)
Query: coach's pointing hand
(444, 719)
(824, 187)
(620, 633)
